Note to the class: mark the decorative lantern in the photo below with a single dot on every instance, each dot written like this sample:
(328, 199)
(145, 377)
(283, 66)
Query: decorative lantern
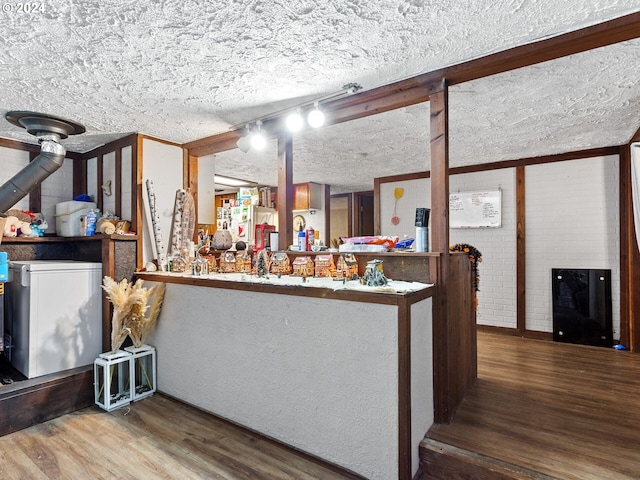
(112, 380)
(143, 371)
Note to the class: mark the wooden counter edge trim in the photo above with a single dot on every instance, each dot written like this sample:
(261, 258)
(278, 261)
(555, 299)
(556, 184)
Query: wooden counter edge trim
(53, 239)
(307, 456)
(351, 295)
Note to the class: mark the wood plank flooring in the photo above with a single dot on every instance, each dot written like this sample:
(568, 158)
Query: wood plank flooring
(157, 438)
(562, 411)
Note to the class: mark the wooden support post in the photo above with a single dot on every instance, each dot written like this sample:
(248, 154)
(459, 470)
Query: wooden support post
(521, 259)
(439, 104)
(285, 190)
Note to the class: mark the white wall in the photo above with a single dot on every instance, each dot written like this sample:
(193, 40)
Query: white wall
(161, 163)
(317, 374)
(573, 221)
(58, 187)
(497, 295)
(417, 194)
(54, 189)
(206, 190)
(421, 376)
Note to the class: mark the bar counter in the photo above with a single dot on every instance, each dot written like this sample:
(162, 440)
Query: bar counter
(339, 371)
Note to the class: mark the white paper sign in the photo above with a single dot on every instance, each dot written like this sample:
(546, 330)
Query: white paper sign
(475, 209)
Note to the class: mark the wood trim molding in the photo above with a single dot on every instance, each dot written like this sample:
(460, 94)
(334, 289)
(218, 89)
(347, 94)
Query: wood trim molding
(100, 181)
(404, 390)
(377, 223)
(117, 188)
(16, 145)
(521, 254)
(629, 259)
(440, 243)
(327, 213)
(285, 191)
(35, 194)
(521, 162)
(137, 190)
(160, 140)
(127, 141)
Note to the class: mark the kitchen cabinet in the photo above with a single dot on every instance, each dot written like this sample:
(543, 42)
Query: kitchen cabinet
(308, 196)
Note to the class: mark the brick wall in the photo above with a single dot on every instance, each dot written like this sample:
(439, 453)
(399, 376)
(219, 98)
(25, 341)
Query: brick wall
(572, 220)
(572, 212)
(497, 295)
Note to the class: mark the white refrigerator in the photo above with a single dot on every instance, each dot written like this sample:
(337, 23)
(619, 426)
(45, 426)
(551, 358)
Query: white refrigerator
(244, 219)
(54, 315)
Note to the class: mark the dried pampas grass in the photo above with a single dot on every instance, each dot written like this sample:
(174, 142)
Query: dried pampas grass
(130, 304)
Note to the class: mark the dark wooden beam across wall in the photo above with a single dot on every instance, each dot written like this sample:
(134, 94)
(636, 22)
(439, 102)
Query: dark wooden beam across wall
(521, 259)
(285, 191)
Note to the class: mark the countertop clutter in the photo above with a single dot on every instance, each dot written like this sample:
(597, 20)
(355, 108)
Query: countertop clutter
(393, 286)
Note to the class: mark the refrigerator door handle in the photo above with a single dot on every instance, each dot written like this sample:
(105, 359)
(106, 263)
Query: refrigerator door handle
(23, 272)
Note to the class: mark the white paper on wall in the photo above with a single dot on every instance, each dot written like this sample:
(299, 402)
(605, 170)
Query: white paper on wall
(480, 209)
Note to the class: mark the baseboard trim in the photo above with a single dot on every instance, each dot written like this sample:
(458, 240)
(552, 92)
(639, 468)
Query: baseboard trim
(30, 402)
(533, 334)
(312, 458)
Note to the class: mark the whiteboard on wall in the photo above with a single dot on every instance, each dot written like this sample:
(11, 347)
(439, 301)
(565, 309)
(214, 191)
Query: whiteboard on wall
(479, 209)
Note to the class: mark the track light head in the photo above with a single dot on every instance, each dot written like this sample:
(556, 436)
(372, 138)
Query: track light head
(315, 117)
(294, 121)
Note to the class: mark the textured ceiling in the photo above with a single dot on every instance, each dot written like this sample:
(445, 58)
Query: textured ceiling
(185, 70)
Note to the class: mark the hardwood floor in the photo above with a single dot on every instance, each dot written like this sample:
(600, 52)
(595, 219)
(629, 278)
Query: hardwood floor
(546, 410)
(157, 438)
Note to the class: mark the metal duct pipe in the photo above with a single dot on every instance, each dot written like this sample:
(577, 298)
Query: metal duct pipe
(50, 159)
(49, 130)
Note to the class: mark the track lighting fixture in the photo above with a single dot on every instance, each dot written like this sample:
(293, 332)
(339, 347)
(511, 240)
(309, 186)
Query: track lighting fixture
(315, 117)
(257, 138)
(294, 121)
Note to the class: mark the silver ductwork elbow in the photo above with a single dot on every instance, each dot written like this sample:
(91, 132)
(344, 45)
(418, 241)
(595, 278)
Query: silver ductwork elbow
(49, 130)
(50, 159)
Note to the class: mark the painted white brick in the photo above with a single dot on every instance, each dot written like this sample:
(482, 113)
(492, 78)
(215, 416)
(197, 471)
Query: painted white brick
(572, 215)
(497, 245)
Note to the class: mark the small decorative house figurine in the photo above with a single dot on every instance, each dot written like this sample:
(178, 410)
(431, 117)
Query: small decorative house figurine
(212, 265)
(227, 262)
(347, 267)
(243, 262)
(303, 267)
(325, 266)
(373, 275)
(280, 263)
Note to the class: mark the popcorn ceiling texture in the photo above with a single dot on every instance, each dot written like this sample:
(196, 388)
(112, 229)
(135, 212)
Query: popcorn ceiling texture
(186, 70)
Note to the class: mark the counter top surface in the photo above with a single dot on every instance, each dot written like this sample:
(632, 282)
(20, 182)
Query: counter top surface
(393, 286)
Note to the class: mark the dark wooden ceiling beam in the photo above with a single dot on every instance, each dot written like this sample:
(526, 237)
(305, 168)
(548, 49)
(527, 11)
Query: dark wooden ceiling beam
(416, 89)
